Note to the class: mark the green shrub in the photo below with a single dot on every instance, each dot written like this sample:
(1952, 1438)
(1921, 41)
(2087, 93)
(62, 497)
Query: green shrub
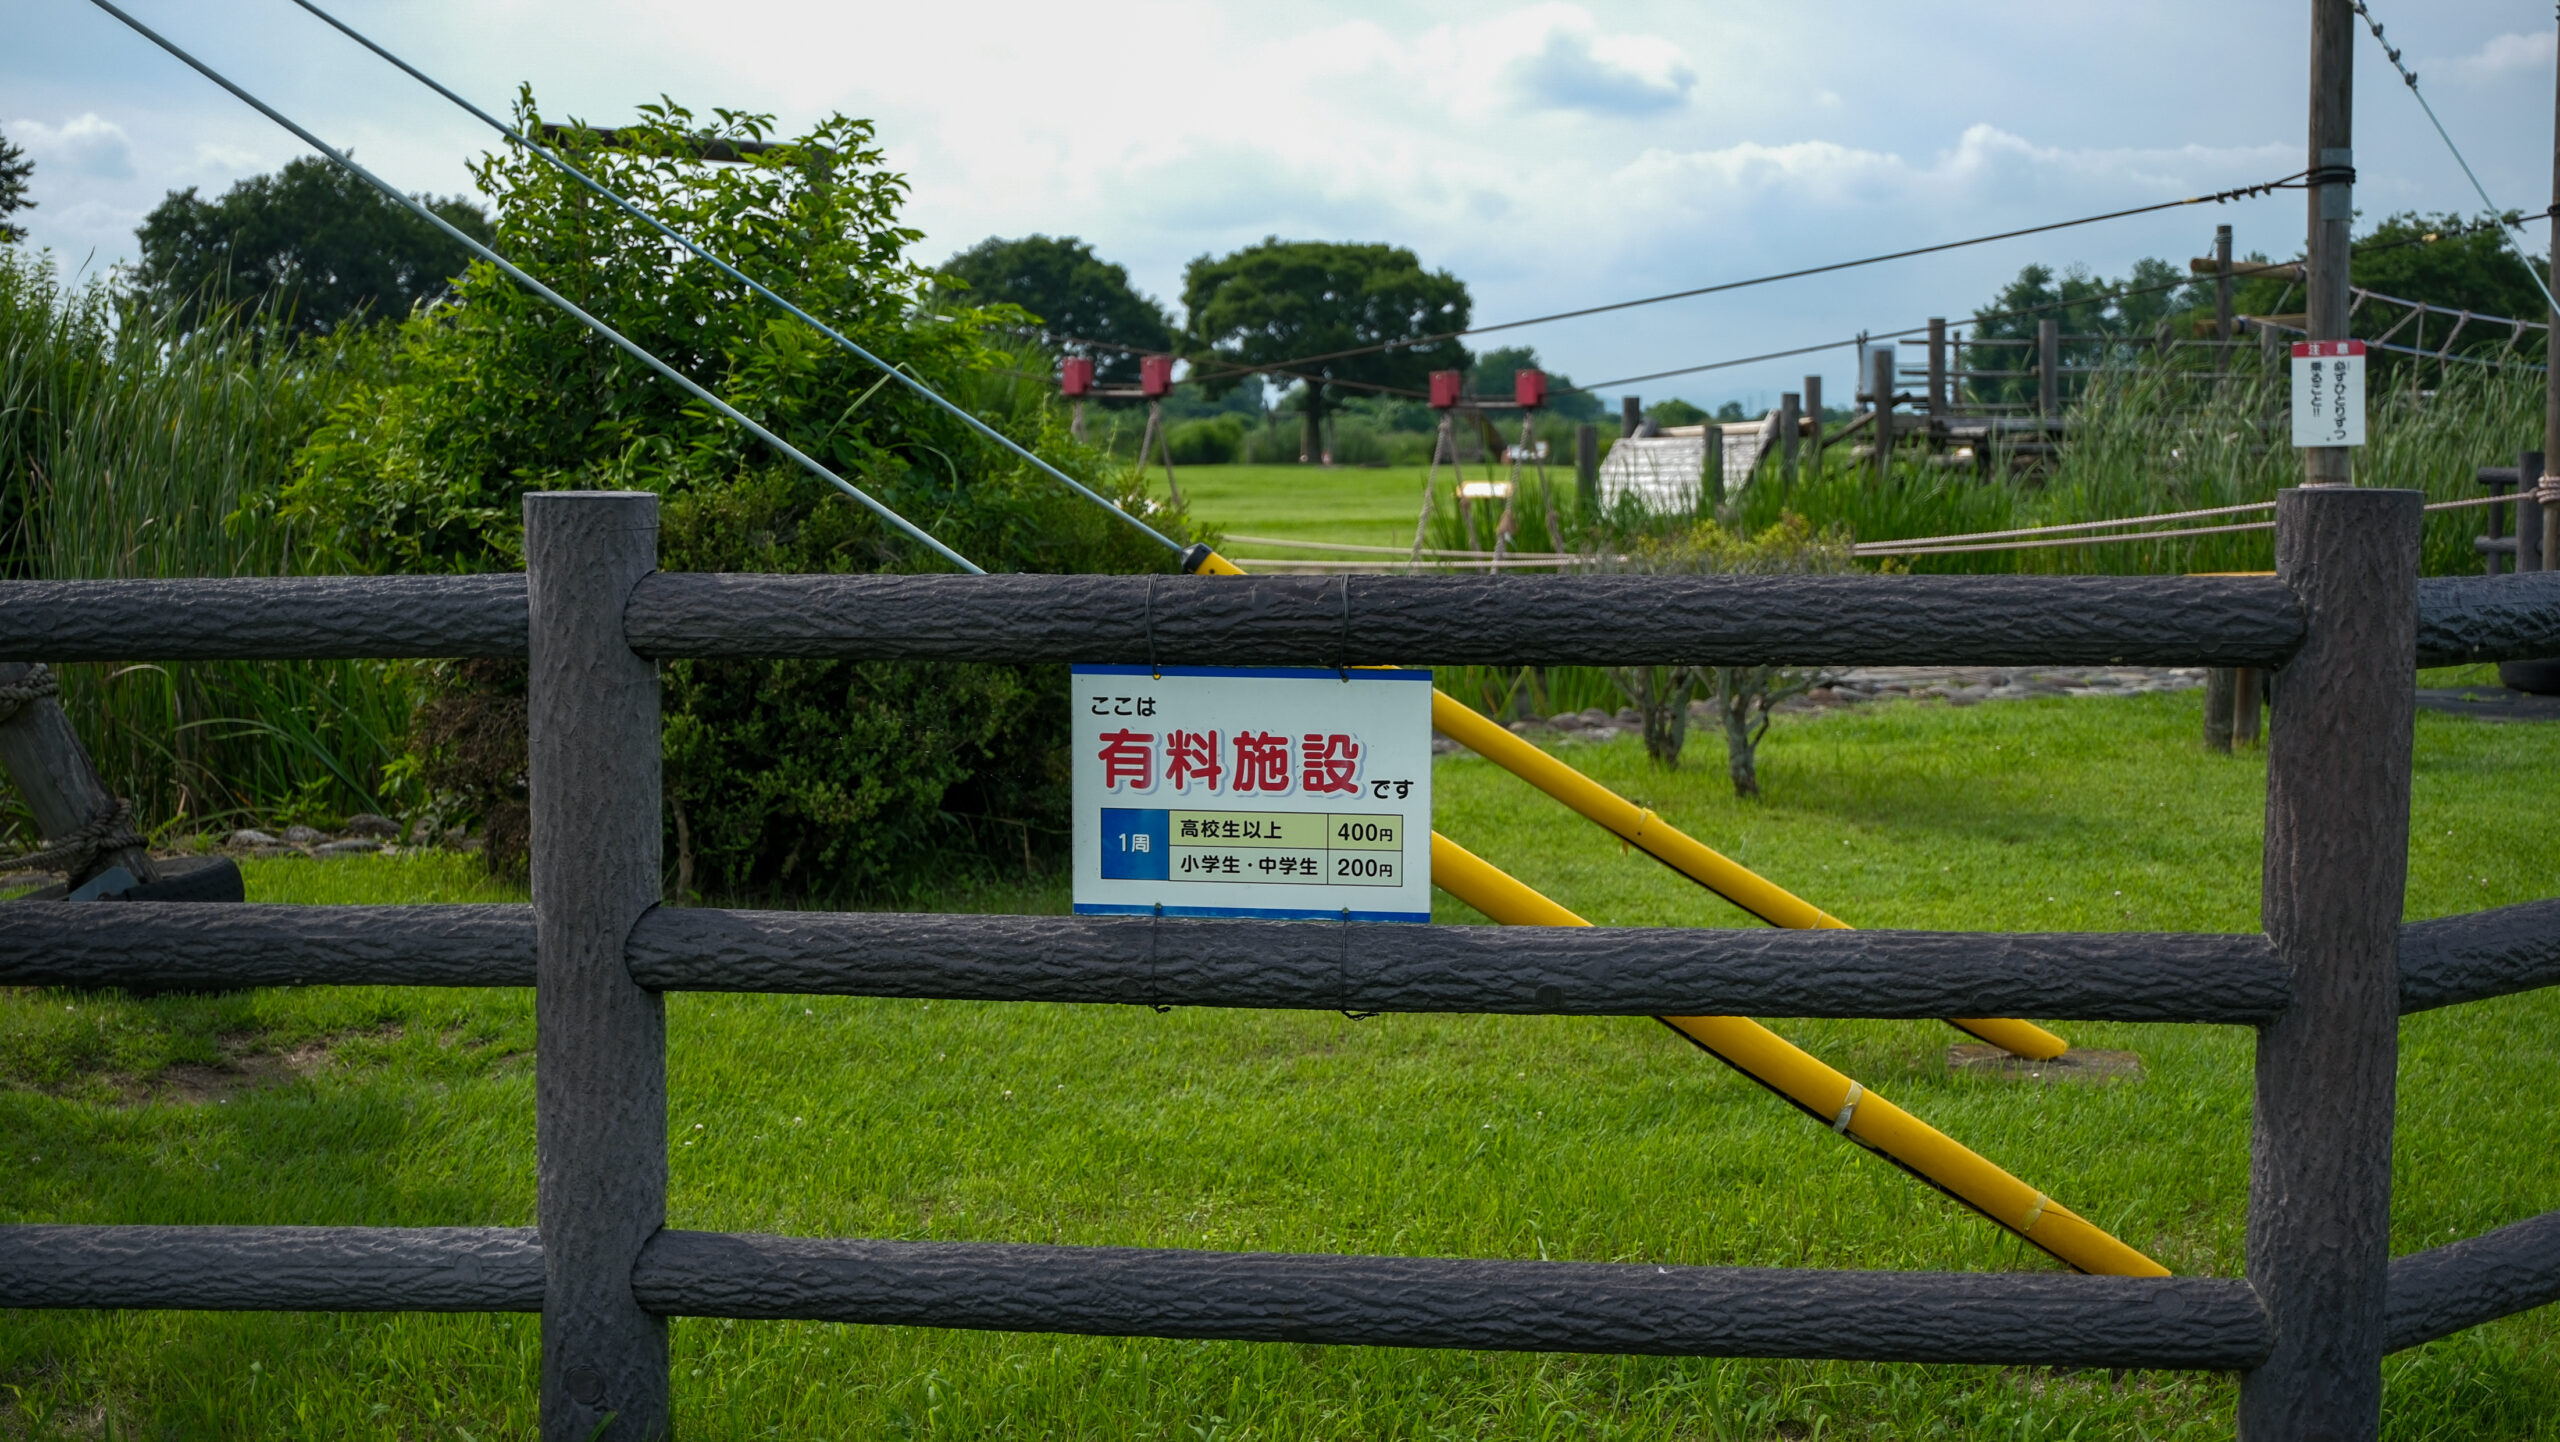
(1210, 441)
(812, 778)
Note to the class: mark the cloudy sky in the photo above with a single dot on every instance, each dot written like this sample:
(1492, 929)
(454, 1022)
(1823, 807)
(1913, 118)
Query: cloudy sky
(1552, 155)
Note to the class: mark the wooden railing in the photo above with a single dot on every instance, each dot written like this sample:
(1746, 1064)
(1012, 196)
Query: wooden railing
(2344, 624)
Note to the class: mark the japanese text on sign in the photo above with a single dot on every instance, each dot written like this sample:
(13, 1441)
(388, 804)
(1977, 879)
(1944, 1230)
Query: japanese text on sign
(2328, 393)
(1253, 792)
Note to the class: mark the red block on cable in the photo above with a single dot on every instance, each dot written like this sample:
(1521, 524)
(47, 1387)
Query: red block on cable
(1444, 389)
(1075, 377)
(1155, 375)
(1529, 388)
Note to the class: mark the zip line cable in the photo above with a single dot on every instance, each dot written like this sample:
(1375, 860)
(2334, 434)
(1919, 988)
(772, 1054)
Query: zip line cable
(518, 275)
(2219, 197)
(731, 271)
(2411, 77)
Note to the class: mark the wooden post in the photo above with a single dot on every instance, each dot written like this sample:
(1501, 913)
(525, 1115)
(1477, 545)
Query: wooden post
(1711, 467)
(2530, 512)
(2337, 853)
(2221, 287)
(600, 1082)
(2248, 699)
(1813, 416)
(1586, 467)
(2217, 708)
(2048, 368)
(1880, 378)
(2332, 203)
(1790, 423)
(51, 769)
(1937, 376)
(1630, 415)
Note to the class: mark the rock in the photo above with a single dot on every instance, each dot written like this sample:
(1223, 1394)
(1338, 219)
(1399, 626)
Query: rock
(1627, 717)
(1523, 728)
(1568, 721)
(423, 834)
(250, 836)
(1596, 717)
(365, 823)
(359, 847)
(303, 836)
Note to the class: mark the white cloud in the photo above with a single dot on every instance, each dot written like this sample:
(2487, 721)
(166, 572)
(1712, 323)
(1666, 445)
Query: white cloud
(1604, 75)
(2505, 54)
(90, 146)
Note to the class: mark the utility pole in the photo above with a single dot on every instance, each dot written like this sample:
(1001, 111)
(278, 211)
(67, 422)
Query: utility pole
(2332, 202)
(2222, 291)
(2551, 356)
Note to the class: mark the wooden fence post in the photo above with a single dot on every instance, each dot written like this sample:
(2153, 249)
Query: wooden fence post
(1586, 467)
(2218, 686)
(53, 774)
(1880, 379)
(2336, 864)
(1937, 377)
(1790, 425)
(2222, 294)
(2048, 368)
(1711, 468)
(1630, 415)
(2528, 511)
(600, 1079)
(1813, 415)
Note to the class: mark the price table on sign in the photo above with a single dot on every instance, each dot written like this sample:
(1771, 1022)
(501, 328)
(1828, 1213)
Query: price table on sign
(1263, 791)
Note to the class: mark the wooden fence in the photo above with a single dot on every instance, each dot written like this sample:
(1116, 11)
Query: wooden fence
(2346, 621)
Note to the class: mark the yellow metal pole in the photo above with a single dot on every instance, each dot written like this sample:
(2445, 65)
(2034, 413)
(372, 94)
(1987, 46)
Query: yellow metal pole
(1667, 843)
(1825, 1093)
(1685, 854)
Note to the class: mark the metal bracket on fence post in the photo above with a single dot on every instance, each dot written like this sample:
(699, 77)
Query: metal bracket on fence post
(51, 769)
(2337, 853)
(600, 1080)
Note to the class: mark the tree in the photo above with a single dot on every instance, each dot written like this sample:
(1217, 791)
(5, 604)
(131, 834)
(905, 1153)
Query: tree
(1073, 295)
(1490, 378)
(819, 777)
(1291, 301)
(2113, 318)
(310, 245)
(15, 169)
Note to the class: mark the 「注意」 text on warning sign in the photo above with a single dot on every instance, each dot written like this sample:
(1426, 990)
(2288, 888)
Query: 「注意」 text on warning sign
(2328, 393)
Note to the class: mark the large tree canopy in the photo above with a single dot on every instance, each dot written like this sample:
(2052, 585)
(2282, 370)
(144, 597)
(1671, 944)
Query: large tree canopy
(1285, 300)
(15, 168)
(1076, 297)
(310, 245)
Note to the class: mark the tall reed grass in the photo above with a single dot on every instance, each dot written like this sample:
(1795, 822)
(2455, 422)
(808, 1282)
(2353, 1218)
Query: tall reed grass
(2147, 438)
(129, 448)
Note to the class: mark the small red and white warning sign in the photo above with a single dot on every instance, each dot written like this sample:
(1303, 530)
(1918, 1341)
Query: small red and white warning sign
(2328, 393)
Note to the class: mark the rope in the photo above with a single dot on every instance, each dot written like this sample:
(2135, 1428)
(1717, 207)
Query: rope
(1916, 547)
(15, 696)
(78, 850)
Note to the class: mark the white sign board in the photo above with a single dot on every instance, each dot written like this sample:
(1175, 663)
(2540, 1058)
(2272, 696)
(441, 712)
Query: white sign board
(2328, 393)
(1256, 791)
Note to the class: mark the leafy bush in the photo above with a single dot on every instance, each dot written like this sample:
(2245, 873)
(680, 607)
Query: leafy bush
(1213, 441)
(808, 777)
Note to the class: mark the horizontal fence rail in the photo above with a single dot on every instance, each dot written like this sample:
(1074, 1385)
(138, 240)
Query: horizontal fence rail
(273, 1269)
(284, 618)
(1383, 1301)
(1295, 620)
(1236, 620)
(1353, 966)
(1485, 1305)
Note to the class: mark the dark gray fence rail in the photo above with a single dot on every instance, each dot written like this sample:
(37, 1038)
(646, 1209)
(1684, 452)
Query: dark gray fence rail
(1358, 966)
(2324, 987)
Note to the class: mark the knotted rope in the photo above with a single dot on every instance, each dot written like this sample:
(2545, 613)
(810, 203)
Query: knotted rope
(77, 850)
(37, 684)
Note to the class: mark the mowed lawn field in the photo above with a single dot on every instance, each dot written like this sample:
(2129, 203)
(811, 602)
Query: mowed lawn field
(1355, 504)
(1449, 1136)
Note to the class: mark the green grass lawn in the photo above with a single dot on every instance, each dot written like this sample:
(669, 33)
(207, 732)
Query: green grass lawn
(1346, 503)
(1461, 1136)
